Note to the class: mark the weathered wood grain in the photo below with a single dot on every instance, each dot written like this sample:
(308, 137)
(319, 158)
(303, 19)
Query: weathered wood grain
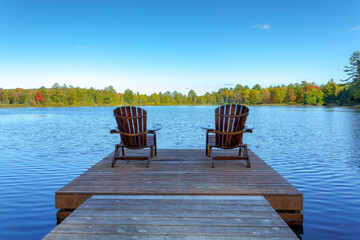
(173, 217)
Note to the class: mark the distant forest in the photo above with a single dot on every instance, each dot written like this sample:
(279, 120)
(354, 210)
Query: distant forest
(304, 93)
(331, 93)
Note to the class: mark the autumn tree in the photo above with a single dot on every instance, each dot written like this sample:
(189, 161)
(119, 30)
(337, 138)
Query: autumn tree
(39, 98)
(225, 94)
(246, 94)
(111, 96)
(24, 97)
(313, 95)
(155, 99)
(45, 94)
(278, 94)
(5, 97)
(255, 96)
(239, 87)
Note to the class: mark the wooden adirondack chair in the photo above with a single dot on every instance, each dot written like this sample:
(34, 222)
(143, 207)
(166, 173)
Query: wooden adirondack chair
(228, 133)
(134, 134)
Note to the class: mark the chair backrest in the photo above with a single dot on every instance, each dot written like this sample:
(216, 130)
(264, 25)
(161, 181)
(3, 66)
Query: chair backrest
(131, 120)
(230, 119)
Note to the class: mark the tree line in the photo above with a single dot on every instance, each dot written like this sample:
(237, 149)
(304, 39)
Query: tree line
(347, 93)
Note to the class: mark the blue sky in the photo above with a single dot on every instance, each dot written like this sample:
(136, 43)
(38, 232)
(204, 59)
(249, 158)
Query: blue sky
(152, 46)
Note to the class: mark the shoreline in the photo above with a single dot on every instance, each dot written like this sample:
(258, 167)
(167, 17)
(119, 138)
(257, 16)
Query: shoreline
(170, 105)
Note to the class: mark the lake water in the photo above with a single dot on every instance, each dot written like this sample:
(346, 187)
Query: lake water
(317, 149)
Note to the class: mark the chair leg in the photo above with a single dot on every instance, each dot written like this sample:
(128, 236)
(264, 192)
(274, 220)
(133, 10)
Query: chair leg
(246, 153)
(114, 157)
(152, 151)
(207, 143)
(155, 144)
(208, 150)
(149, 157)
(212, 159)
(113, 161)
(123, 151)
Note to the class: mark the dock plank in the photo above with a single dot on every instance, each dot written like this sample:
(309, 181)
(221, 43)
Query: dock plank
(173, 217)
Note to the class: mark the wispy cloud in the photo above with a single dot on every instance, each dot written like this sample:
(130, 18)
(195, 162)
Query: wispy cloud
(354, 28)
(82, 47)
(262, 26)
(228, 84)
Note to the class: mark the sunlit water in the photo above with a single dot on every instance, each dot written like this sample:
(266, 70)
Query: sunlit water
(315, 148)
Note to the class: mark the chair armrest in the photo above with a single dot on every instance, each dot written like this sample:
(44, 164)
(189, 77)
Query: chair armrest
(248, 129)
(114, 131)
(207, 127)
(155, 127)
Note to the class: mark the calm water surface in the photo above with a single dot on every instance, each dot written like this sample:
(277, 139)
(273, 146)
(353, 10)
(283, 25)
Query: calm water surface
(317, 149)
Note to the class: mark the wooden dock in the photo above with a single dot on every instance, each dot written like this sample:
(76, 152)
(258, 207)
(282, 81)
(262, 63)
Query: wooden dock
(173, 217)
(183, 172)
